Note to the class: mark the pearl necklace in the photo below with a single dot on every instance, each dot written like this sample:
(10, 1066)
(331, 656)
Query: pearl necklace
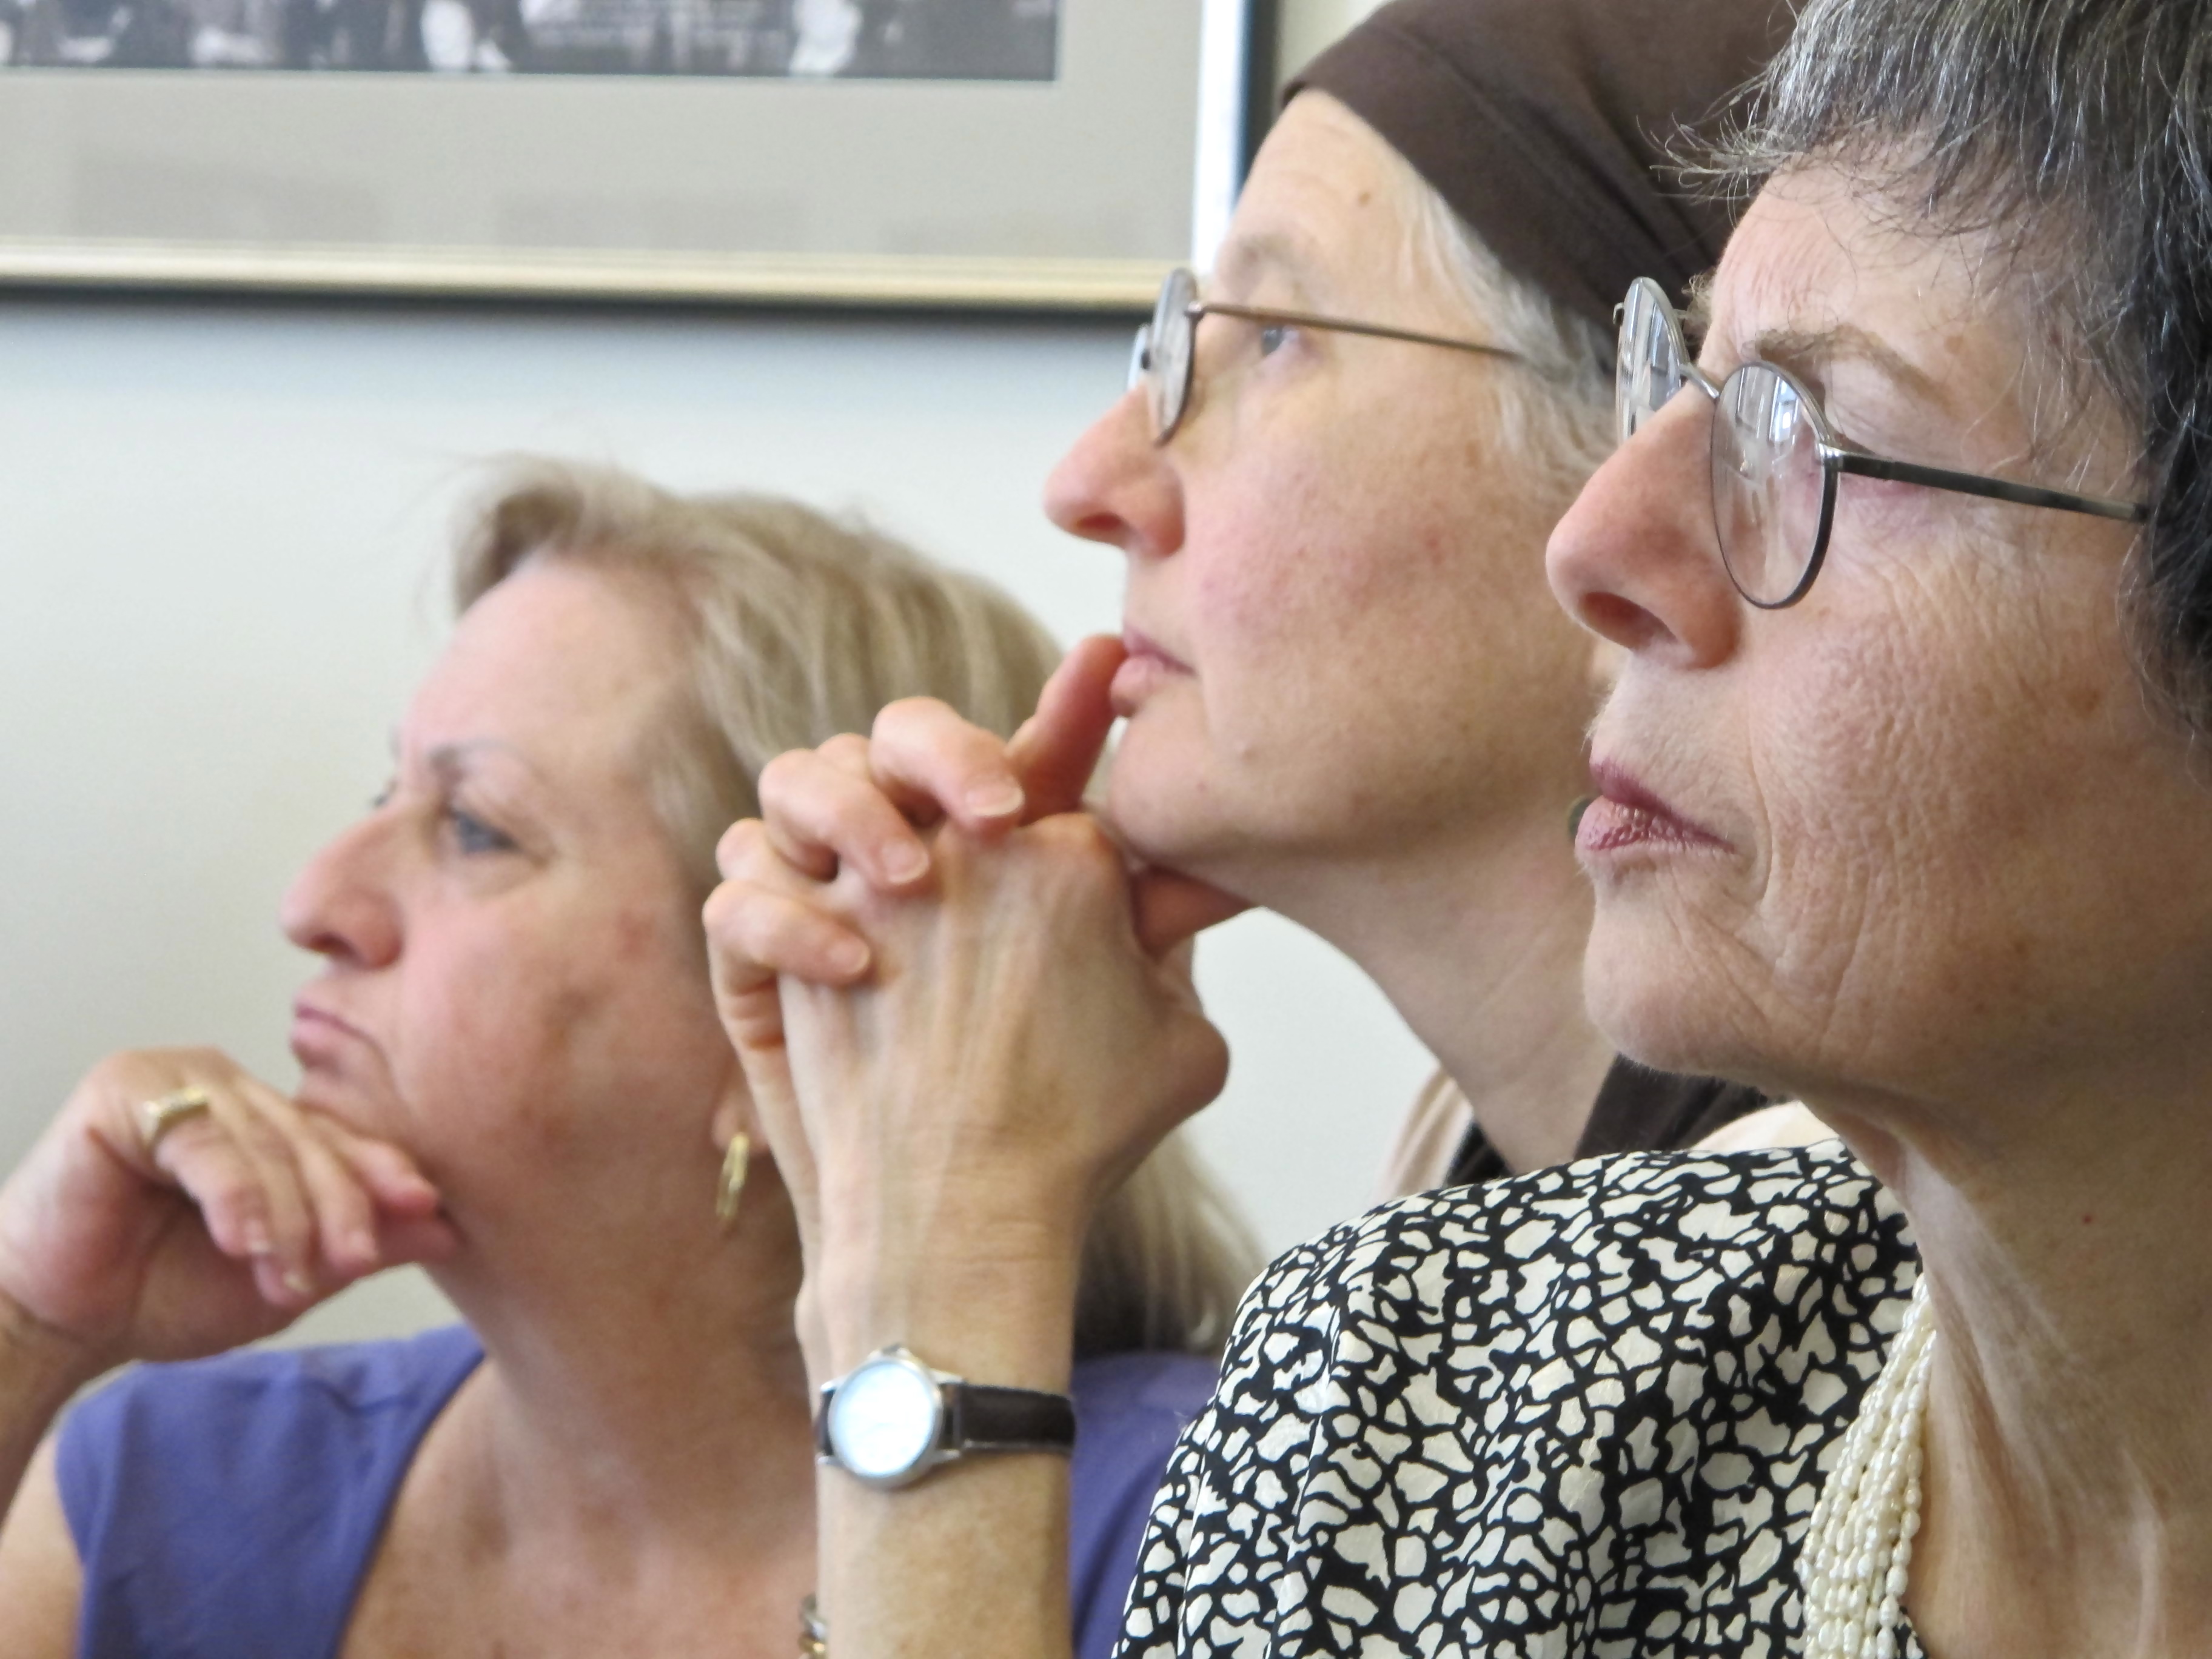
(1859, 1548)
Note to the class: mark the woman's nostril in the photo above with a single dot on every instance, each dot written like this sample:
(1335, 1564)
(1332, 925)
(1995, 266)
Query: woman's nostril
(1620, 620)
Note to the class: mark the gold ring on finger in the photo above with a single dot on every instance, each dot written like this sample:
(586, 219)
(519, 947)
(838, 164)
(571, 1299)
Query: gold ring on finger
(157, 1117)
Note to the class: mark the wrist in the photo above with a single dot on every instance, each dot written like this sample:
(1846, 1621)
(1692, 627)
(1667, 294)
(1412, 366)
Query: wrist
(40, 1366)
(999, 1318)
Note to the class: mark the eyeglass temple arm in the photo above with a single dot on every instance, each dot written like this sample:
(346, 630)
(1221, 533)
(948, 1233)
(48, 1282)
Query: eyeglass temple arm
(1973, 483)
(1376, 331)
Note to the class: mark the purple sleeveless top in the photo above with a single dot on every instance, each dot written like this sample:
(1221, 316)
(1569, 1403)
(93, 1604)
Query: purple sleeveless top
(230, 1507)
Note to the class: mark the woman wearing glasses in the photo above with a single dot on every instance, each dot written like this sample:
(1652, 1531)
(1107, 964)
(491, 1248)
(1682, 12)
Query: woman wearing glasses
(1901, 811)
(1349, 695)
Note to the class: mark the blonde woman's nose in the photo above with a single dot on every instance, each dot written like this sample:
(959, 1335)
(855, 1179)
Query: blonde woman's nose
(340, 905)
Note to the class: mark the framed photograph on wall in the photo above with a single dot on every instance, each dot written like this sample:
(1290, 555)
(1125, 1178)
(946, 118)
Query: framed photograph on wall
(1042, 154)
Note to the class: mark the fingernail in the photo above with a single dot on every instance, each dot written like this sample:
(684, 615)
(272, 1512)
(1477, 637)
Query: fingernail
(849, 956)
(258, 1242)
(906, 862)
(362, 1246)
(298, 1283)
(995, 801)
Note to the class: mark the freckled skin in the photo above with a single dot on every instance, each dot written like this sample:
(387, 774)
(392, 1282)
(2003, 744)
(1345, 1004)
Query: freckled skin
(1344, 557)
(1965, 861)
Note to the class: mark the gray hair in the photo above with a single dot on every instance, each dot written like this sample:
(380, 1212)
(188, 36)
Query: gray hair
(790, 627)
(2079, 132)
(1555, 416)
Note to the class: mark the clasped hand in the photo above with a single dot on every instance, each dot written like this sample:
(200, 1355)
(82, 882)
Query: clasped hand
(964, 1017)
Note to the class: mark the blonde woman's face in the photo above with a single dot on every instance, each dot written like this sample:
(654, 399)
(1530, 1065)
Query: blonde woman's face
(512, 985)
(1343, 642)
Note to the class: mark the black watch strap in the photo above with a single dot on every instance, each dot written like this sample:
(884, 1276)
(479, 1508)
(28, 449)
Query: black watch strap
(987, 1418)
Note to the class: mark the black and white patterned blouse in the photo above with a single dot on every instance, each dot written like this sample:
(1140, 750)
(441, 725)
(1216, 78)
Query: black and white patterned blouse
(1578, 1413)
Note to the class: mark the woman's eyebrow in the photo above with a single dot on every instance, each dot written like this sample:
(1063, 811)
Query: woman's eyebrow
(1246, 259)
(450, 763)
(1810, 351)
(1698, 304)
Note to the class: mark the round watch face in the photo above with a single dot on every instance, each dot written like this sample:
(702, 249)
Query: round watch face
(884, 1419)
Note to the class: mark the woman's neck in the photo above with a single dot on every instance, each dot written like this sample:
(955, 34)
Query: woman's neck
(2068, 1485)
(653, 1392)
(1478, 943)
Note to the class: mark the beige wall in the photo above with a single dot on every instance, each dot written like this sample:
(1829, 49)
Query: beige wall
(1309, 25)
(220, 528)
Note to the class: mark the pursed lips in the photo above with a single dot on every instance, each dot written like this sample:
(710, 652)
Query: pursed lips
(1628, 814)
(1141, 645)
(316, 1031)
(1146, 669)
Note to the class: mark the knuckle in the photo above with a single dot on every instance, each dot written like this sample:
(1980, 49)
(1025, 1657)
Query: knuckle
(225, 1189)
(718, 914)
(741, 842)
(784, 776)
(912, 717)
(743, 923)
(771, 928)
(848, 751)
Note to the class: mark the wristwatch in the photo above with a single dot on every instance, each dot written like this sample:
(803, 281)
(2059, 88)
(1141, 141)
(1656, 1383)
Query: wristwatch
(891, 1419)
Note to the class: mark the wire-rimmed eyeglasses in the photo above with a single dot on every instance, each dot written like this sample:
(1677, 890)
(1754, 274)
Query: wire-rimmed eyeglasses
(1161, 359)
(1770, 440)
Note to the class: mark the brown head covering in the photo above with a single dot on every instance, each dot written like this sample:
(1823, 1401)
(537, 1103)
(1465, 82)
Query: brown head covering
(1545, 124)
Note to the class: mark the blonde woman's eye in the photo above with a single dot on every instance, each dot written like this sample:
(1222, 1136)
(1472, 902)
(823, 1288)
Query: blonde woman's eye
(1272, 336)
(473, 835)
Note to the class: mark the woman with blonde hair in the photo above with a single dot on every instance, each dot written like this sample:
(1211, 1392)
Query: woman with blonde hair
(512, 1072)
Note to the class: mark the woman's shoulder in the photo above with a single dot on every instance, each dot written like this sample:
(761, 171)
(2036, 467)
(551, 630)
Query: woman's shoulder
(1581, 1393)
(1130, 1409)
(154, 1447)
(1656, 1231)
(1144, 1383)
(241, 1496)
(374, 1378)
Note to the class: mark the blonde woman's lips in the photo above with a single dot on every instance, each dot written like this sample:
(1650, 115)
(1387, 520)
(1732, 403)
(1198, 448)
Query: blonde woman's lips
(318, 1033)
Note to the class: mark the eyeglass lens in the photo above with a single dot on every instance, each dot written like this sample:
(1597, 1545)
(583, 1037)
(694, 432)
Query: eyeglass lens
(1648, 369)
(1769, 485)
(1167, 352)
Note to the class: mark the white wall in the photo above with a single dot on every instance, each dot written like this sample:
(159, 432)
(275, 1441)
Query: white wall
(218, 527)
(220, 531)
(1307, 26)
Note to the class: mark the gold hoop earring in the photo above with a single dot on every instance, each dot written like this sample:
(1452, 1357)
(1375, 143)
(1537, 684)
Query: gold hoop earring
(731, 1185)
